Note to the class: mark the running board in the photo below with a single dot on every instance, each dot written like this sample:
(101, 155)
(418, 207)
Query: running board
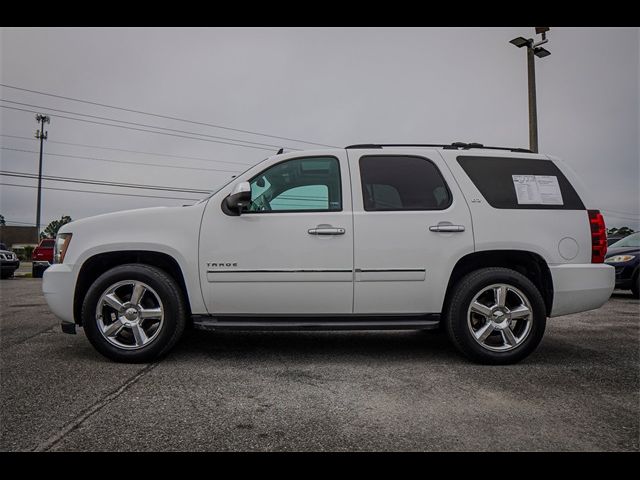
(422, 322)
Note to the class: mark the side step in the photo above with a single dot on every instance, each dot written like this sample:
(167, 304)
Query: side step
(422, 322)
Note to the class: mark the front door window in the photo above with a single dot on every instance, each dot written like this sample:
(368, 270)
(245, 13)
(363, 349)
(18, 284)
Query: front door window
(309, 184)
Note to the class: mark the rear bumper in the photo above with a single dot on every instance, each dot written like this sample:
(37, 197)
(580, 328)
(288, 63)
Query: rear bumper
(581, 287)
(58, 288)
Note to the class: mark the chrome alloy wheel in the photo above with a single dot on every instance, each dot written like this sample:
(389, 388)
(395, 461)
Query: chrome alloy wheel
(500, 317)
(129, 314)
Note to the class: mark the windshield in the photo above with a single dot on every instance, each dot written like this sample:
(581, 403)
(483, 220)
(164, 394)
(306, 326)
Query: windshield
(3, 246)
(632, 240)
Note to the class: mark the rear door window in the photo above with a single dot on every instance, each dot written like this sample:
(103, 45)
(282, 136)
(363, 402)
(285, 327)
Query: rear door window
(521, 183)
(402, 182)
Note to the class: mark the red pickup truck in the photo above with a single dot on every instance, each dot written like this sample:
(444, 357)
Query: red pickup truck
(42, 257)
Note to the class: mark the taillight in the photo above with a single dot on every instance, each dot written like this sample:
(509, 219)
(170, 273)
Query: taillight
(598, 236)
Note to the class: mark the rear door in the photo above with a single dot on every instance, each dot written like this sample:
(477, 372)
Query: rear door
(411, 225)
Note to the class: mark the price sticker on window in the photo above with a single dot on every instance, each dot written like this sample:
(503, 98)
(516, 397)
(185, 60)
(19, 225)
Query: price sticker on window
(537, 189)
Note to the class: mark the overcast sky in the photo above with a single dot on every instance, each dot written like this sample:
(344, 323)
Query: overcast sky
(335, 86)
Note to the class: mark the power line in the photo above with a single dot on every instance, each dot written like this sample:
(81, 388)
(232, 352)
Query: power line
(624, 213)
(42, 107)
(622, 217)
(15, 221)
(102, 182)
(164, 116)
(140, 124)
(139, 129)
(120, 161)
(100, 193)
(129, 151)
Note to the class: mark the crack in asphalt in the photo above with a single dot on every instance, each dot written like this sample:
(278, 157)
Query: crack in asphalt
(26, 339)
(56, 438)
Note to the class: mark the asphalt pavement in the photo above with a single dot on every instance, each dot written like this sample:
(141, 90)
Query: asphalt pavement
(320, 391)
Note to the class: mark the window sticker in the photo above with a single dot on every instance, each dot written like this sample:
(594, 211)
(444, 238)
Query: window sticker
(537, 189)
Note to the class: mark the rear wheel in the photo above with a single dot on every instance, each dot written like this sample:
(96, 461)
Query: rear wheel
(496, 316)
(134, 313)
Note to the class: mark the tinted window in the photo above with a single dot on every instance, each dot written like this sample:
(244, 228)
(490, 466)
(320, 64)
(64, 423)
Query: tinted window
(47, 243)
(397, 182)
(309, 184)
(493, 176)
(306, 197)
(632, 240)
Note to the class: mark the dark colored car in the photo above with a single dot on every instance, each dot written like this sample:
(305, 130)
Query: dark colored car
(624, 255)
(9, 262)
(612, 240)
(42, 257)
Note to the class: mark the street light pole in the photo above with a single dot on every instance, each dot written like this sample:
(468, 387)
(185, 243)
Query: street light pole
(533, 110)
(42, 135)
(533, 50)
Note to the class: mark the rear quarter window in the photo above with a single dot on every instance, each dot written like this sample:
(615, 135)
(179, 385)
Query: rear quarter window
(493, 176)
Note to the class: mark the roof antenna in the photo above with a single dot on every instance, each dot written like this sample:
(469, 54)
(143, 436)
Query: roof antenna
(280, 151)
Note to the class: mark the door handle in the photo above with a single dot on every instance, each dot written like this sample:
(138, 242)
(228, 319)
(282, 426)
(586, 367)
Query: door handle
(446, 228)
(326, 231)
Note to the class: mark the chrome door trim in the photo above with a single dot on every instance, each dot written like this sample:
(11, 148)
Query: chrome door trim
(390, 274)
(280, 275)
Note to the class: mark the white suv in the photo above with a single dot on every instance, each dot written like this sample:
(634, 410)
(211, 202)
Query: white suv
(486, 242)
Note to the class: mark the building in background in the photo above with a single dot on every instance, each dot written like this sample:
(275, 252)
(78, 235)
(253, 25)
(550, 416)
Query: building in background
(18, 238)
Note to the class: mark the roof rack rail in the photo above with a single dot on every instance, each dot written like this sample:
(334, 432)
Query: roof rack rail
(449, 146)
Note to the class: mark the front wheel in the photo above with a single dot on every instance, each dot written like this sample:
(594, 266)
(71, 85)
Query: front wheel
(496, 316)
(134, 313)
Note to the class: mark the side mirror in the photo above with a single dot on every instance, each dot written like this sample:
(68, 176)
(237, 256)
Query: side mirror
(239, 198)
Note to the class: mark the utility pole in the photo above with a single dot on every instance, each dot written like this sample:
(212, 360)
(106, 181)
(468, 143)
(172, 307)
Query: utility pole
(42, 135)
(533, 50)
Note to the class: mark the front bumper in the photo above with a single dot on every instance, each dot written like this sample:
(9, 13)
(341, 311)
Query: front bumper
(9, 265)
(625, 273)
(58, 287)
(580, 287)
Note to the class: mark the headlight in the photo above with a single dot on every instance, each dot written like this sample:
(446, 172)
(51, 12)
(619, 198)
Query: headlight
(620, 258)
(60, 248)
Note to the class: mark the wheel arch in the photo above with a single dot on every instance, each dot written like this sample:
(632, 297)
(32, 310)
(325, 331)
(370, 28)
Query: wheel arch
(97, 264)
(529, 264)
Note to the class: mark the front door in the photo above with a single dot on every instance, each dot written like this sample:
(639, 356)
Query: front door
(411, 225)
(291, 251)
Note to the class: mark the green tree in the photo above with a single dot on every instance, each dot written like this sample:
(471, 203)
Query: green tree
(624, 231)
(52, 229)
(620, 232)
(2, 222)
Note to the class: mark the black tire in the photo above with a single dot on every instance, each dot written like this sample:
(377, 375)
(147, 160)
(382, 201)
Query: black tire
(456, 315)
(36, 272)
(175, 312)
(5, 275)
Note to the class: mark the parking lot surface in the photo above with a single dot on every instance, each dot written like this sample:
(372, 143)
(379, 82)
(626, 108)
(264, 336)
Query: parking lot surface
(332, 391)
